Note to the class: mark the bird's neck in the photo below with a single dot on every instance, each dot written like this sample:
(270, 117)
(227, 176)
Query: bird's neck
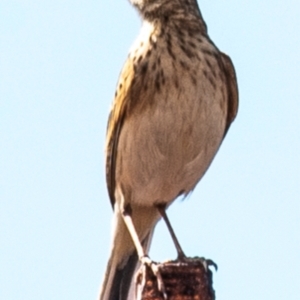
(167, 13)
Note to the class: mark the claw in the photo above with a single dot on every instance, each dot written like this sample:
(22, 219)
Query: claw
(208, 262)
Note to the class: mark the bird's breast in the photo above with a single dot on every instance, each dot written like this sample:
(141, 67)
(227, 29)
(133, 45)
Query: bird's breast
(175, 122)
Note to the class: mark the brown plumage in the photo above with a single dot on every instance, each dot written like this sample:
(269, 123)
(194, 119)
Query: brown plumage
(175, 100)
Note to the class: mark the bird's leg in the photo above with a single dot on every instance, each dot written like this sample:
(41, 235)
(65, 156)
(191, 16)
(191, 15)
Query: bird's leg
(144, 258)
(126, 214)
(181, 256)
(162, 210)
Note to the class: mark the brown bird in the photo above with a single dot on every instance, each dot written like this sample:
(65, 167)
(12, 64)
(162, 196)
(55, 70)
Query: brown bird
(175, 100)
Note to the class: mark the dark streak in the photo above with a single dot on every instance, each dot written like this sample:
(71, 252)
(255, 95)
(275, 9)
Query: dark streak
(184, 65)
(194, 81)
(157, 83)
(139, 59)
(158, 61)
(212, 82)
(154, 66)
(144, 68)
(192, 44)
(176, 83)
(171, 53)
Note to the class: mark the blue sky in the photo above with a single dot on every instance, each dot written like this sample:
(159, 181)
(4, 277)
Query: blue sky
(59, 63)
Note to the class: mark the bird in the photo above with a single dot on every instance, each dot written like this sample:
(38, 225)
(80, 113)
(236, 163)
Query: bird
(175, 100)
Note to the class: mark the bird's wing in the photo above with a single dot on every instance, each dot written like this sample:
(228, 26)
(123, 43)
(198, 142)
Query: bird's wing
(115, 123)
(232, 90)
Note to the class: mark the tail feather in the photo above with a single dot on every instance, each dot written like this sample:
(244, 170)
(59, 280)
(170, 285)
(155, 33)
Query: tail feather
(122, 279)
(119, 277)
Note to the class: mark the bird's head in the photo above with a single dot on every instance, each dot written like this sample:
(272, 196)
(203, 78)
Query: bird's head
(157, 8)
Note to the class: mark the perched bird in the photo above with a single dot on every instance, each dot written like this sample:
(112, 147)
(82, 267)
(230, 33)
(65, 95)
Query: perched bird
(175, 100)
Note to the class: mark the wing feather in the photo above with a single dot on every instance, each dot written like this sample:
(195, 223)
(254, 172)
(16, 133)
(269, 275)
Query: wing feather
(232, 89)
(114, 126)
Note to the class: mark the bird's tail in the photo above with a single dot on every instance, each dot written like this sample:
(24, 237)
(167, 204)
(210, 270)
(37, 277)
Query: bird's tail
(119, 276)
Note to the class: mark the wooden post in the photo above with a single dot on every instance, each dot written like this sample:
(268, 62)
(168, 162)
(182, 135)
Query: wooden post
(190, 279)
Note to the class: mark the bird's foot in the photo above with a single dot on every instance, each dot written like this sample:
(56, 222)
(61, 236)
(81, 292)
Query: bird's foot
(145, 260)
(208, 263)
(205, 262)
(182, 257)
